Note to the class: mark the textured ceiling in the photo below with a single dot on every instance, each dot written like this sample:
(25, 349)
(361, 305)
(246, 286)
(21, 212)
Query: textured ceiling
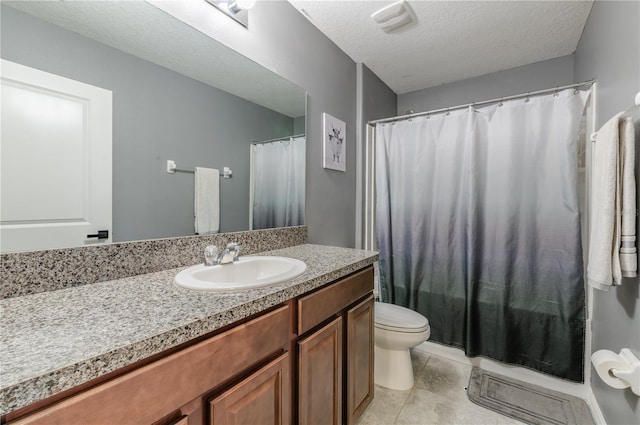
(143, 30)
(452, 40)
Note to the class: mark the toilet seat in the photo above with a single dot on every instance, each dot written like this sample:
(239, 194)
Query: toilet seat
(402, 330)
(399, 319)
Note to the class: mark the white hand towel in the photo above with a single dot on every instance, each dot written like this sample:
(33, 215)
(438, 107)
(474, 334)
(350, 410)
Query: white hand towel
(628, 250)
(612, 203)
(207, 201)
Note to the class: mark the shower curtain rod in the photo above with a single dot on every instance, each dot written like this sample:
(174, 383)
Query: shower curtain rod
(484, 102)
(278, 139)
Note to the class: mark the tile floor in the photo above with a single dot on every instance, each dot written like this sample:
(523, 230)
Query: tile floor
(438, 397)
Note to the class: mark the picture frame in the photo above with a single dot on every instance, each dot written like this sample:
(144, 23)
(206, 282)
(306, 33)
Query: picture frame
(334, 143)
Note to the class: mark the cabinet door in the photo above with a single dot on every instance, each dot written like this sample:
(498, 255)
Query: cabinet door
(262, 398)
(320, 376)
(360, 320)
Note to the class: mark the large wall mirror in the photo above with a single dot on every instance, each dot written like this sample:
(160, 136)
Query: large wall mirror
(177, 94)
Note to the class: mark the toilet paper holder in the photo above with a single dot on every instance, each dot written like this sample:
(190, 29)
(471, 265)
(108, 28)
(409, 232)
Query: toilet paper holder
(625, 376)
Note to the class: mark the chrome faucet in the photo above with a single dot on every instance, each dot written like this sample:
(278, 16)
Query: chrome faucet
(213, 256)
(234, 248)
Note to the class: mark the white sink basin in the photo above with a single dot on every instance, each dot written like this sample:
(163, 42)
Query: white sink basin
(247, 272)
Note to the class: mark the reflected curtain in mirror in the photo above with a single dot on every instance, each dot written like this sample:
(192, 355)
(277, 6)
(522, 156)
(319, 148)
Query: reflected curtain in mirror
(277, 183)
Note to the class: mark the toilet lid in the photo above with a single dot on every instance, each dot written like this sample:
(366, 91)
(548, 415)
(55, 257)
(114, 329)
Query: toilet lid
(393, 316)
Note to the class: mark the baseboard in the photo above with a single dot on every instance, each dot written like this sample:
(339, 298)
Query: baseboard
(594, 407)
(514, 372)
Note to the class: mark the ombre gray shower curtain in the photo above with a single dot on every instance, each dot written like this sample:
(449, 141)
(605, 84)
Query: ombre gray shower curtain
(278, 183)
(478, 228)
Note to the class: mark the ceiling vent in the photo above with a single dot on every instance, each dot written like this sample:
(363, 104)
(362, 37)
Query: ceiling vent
(394, 16)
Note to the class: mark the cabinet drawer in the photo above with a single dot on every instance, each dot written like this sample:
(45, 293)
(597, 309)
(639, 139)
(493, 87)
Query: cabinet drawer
(318, 306)
(153, 391)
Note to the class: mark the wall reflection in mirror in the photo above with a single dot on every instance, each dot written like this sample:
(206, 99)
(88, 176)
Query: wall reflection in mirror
(177, 94)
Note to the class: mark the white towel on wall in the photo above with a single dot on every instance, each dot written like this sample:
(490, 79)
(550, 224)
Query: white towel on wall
(207, 200)
(613, 205)
(628, 250)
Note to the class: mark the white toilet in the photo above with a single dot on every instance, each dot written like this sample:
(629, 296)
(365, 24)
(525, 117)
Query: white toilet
(397, 329)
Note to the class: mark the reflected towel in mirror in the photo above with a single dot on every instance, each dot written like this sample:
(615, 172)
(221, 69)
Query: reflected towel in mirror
(207, 200)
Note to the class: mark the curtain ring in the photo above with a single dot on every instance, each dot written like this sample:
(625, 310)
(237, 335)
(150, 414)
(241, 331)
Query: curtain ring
(448, 113)
(556, 94)
(428, 116)
(526, 100)
(576, 91)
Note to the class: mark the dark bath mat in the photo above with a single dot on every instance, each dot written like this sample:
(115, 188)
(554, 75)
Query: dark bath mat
(525, 402)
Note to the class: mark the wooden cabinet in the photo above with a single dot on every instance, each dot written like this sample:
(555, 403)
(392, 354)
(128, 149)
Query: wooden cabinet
(261, 399)
(154, 393)
(360, 348)
(320, 376)
(307, 362)
(335, 362)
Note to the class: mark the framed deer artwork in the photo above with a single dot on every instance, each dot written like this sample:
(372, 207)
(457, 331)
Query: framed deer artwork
(334, 138)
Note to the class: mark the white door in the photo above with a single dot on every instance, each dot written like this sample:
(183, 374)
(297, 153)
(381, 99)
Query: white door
(55, 153)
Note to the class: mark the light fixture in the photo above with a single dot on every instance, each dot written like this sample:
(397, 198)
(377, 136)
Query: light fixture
(236, 9)
(394, 16)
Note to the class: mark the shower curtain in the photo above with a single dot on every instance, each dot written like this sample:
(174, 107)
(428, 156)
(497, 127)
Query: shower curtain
(478, 228)
(278, 183)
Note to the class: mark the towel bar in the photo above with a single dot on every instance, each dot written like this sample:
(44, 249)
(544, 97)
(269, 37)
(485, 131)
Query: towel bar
(227, 173)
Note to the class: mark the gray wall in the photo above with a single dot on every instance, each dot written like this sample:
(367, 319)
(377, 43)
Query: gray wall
(282, 39)
(536, 76)
(609, 51)
(299, 125)
(375, 100)
(378, 100)
(157, 115)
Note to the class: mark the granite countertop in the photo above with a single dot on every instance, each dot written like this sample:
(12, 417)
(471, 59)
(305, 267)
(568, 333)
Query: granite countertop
(56, 340)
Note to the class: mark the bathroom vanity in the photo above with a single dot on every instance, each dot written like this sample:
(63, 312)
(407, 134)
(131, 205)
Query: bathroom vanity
(296, 352)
